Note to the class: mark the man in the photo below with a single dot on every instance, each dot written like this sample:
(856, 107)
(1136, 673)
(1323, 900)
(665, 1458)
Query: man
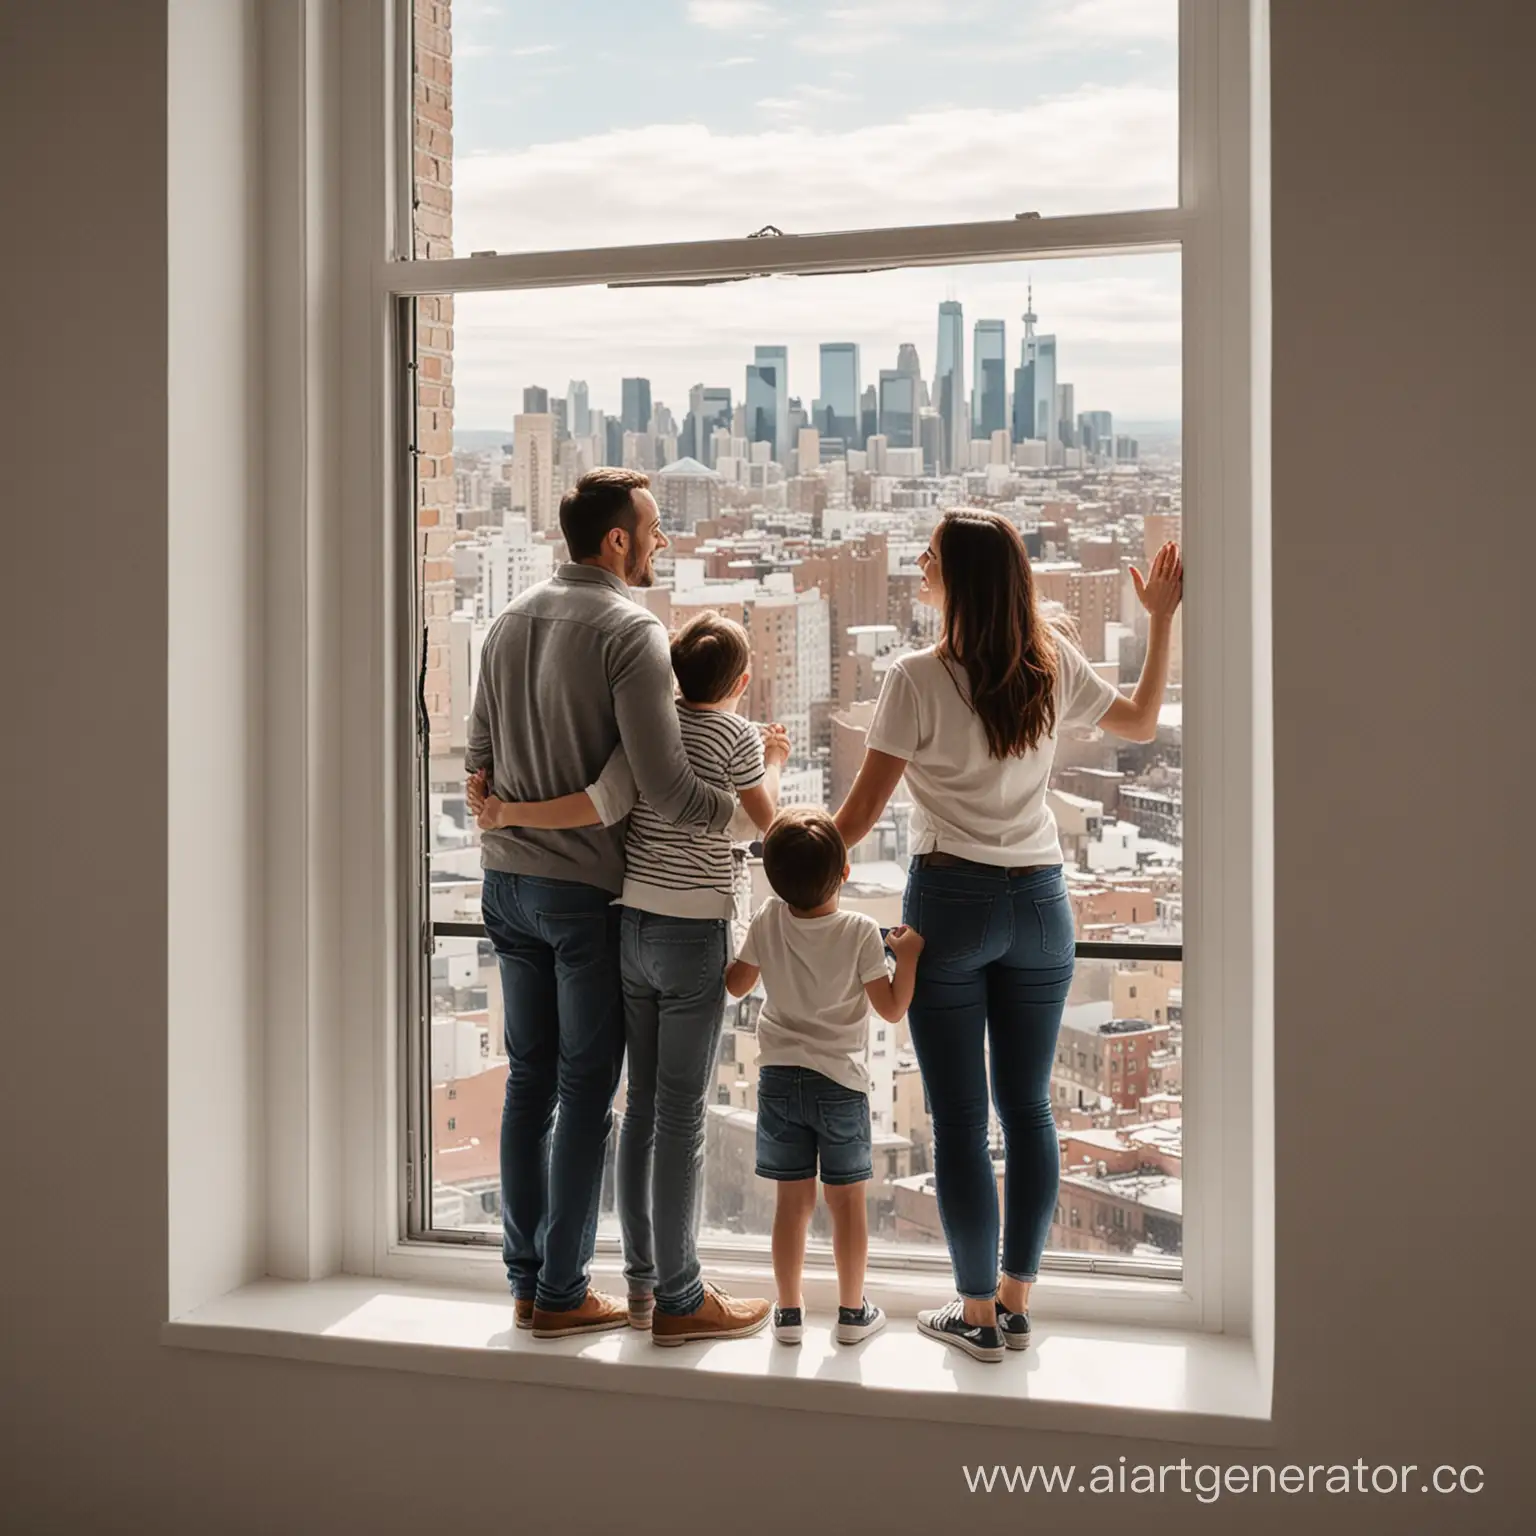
(570, 669)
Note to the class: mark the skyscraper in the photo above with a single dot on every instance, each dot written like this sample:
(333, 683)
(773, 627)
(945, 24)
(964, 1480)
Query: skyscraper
(637, 406)
(763, 404)
(949, 384)
(898, 408)
(578, 410)
(1096, 432)
(907, 362)
(1066, 415)
(777, 359)
(535, 400)
(840, 391)
(1046, 419)
(989, 386)
(533, 468)
(1024, 399)
(709, 406)
(869, 414)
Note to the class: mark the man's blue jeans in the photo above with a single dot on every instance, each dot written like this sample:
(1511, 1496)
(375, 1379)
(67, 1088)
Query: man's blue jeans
(992, 981)
(558, 946)
(674, 1003)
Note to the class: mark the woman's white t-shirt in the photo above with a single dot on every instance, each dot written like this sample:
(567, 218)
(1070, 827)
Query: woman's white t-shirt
(966, 802)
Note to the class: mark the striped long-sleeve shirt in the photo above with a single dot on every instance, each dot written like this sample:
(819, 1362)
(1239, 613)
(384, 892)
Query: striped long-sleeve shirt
(676, 870)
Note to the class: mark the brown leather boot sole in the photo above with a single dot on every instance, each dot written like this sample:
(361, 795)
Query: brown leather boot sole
(523, 1311)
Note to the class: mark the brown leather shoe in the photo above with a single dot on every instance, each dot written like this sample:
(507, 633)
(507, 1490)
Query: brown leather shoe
(596, 1314)
(718, 1316)
(524, 1312)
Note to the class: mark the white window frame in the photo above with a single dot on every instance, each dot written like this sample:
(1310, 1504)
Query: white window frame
(340, 936)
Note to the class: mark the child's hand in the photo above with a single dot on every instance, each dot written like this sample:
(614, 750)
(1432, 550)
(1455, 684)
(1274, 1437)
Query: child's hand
(775, 745)
(1162, 588)
(475, 792)
(904, 941)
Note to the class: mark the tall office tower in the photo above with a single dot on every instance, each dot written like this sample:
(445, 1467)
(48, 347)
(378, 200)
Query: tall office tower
(1096, 433)
(637, 406)
(1024, 401)
(949, 385)
(798, 420)
(1046, 420)
(613, 440)
(989, 384)
(840, 390)
(777, 358)
(578, 409)
(557, 409)
(763, 405)
(869, 415)
(1066, 415)
(930, 436)
(898, 408)
(709, 408)
(663, 423)
(597, 436)
(907, 362)
(533, 468)
(535, 401)
(807, 449)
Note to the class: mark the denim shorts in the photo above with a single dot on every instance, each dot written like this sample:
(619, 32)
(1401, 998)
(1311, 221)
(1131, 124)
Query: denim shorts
(802, 1115)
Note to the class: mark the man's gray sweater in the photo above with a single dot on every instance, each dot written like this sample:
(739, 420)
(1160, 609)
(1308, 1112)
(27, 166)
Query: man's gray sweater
(571, 668)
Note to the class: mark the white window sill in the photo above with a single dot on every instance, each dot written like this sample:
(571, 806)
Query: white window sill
(1155, 1383)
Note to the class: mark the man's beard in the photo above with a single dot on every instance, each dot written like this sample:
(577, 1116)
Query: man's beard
(638, 572)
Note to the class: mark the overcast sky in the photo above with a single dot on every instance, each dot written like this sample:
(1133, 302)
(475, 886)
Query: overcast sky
(597, 123)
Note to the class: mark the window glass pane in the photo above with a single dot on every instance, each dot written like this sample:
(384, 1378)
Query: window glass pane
(596, 123)
(803, 437)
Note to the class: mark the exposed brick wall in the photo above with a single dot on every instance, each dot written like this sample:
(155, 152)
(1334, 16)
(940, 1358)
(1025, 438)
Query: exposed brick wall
(433, 236)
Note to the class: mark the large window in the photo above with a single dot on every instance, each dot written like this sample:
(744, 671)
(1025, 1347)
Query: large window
(807, 410)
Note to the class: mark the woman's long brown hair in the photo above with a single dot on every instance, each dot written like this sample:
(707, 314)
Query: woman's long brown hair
(993, 630)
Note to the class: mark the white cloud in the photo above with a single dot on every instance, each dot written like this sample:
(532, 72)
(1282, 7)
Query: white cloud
(733, 15)
(1095, 149)
(464, 50)
(534, 48)
(735, 63)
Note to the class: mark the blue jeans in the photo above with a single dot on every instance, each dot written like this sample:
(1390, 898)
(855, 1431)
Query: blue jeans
(674, 1006)
(557, 943)
(995, 970)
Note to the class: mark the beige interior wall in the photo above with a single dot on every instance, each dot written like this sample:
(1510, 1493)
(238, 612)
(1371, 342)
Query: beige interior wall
(1403, 132)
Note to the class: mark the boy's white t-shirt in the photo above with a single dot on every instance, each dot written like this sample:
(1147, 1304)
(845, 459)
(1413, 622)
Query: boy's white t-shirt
(966, 802)
(814, 970)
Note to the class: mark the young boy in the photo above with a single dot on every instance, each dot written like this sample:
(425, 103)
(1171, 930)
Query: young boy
(822, 970)
(680, 889)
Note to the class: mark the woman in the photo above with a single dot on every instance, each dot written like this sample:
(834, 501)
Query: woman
(972, 723)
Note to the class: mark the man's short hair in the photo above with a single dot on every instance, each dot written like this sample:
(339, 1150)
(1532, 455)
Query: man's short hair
(602, 500)
(804, 856)
(709, 654)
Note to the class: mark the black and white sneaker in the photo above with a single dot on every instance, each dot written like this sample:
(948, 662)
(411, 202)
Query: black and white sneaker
(1014, 1327)
(855, 1324)
(948, 1325)
(788, 1324)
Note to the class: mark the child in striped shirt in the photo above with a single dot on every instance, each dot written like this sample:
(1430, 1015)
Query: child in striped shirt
(681, 891)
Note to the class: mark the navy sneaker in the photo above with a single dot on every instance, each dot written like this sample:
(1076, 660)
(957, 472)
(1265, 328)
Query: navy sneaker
(855, 1324)
(948, 1325)
(788, 1324)
(1014, 1327)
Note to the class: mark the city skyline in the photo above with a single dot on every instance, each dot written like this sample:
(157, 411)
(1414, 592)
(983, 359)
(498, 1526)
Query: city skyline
(1121, 351)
